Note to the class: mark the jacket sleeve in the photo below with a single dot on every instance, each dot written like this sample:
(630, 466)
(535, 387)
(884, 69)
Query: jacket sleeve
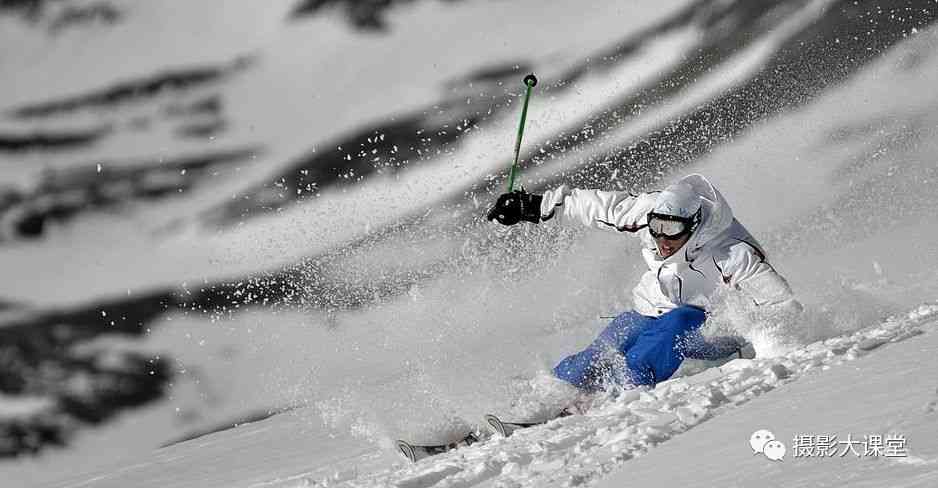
(746, 269)
(611, 210)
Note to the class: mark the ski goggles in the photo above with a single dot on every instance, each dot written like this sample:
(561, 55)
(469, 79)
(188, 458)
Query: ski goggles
(671, 227)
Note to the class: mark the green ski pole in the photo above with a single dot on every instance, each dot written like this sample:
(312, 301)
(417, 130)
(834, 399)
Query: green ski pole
(529, 82)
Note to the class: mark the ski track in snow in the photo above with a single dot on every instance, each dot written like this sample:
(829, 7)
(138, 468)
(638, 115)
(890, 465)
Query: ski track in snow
(580, 449)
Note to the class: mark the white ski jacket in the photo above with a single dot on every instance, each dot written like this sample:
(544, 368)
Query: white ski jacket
(720, 253)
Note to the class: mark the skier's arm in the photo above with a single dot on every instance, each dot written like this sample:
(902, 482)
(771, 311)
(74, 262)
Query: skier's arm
(746, 269)
(612, 210)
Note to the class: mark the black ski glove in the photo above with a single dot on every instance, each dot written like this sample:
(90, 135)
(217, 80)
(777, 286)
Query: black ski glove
(511, 208)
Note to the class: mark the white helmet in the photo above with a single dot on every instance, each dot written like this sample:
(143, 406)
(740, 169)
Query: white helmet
(676, 212)
(677, 200)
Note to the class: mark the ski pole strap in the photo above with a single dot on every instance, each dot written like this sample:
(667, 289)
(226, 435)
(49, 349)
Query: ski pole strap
(529, 82)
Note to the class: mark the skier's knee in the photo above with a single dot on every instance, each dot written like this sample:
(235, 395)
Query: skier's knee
(641, 368)
(578, 369)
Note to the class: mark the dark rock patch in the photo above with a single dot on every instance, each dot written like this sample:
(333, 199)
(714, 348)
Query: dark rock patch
(64, 194)
(39, 359)
(169, 81)
(49, 140)
(366, 15)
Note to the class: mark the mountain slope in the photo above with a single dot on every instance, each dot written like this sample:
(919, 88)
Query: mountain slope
(704, 418)
(239, 310)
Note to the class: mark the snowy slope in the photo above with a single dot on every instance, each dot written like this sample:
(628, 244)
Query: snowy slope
(885, 393)
(827, 187)
(288, 449)
(94, 260)
(813, 390)
(285, 92)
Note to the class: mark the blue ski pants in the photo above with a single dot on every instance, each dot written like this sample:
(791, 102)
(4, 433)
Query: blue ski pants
(639, 350)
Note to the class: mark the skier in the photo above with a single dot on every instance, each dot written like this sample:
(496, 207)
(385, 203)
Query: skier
(693, 247)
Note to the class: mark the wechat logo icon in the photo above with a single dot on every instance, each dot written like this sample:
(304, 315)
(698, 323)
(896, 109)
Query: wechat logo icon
(763, 442)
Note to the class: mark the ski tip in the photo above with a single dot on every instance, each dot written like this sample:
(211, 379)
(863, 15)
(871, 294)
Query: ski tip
(497, 425)
(407, 450)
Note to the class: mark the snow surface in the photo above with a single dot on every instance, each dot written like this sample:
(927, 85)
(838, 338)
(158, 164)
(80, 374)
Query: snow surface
(842, 385)
(881, 394)
(832, 189)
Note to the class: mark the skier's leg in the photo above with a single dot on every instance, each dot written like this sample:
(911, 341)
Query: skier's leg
(657, 353)
(695, 346)
(591, 367)
(578, 369)
(622, 332)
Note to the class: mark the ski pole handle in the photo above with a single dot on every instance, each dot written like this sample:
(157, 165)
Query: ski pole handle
(529, 82)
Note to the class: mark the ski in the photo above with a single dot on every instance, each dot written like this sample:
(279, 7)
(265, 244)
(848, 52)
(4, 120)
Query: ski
(417, 452)
(505, 428)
